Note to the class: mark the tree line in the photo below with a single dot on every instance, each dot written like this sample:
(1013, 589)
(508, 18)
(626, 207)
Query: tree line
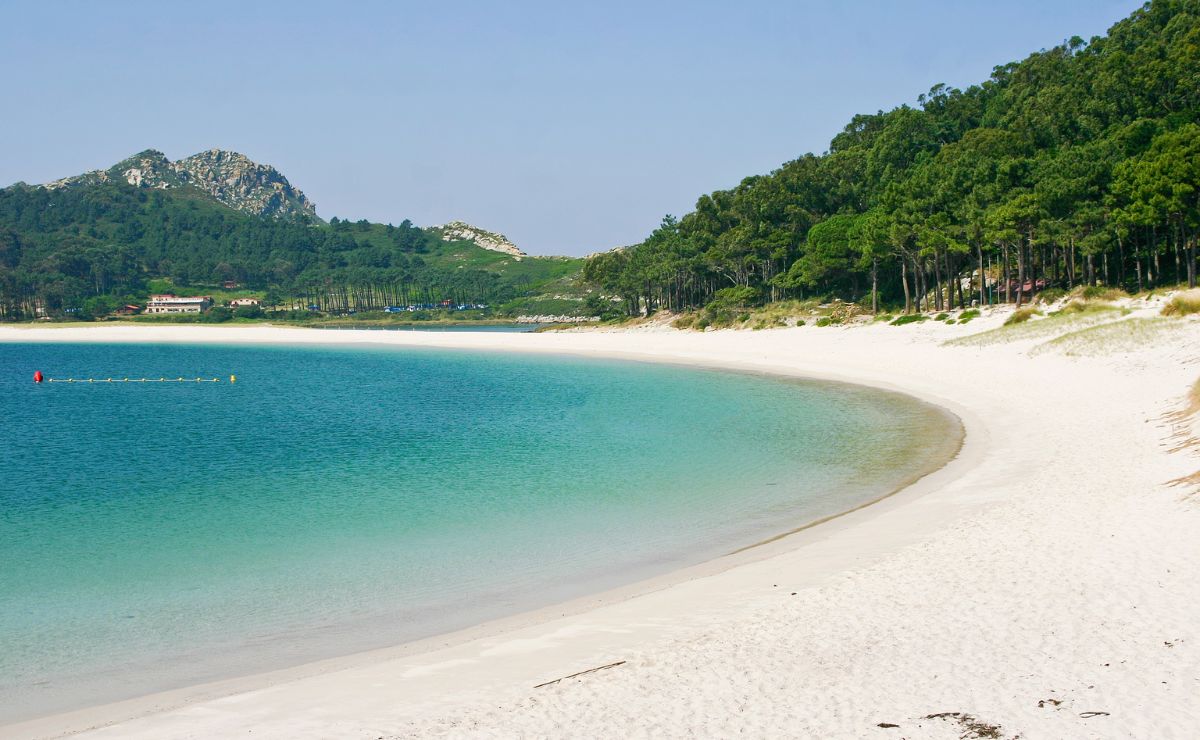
(79, 250)
(1078, 165)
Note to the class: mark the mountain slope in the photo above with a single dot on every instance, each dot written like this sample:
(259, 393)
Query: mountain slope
(78, 244)
(230, 178)
(462, 231)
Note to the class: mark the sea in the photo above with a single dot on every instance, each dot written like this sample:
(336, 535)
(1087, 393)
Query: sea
(157, 535)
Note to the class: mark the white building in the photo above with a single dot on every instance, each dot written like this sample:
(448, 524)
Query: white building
(176, 304)
(244, 302)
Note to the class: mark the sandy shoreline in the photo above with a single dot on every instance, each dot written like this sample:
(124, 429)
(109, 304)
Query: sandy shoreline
(1025, 571)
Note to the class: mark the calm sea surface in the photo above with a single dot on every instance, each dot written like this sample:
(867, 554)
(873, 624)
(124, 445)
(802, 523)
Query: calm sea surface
(159, 535)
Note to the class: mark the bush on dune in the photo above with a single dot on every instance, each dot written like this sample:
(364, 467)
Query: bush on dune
(1084, 306)
(1050, 295)
(1021, 315)
(1099, 293)
(1184, 303)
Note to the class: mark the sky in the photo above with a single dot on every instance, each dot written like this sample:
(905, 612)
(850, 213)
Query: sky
(569, 127)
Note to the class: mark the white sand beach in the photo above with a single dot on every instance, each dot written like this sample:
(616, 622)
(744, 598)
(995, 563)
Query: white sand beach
(1042, 585)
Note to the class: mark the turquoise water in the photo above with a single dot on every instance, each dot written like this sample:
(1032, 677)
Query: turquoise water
(333, 500)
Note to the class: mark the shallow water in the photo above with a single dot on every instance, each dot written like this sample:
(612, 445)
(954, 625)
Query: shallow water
(155, 535)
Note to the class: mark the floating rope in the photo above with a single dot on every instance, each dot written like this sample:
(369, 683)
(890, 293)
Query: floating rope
(38, 379)
(133, 380)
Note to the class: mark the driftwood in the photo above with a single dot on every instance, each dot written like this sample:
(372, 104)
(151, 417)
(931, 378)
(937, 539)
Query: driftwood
(581, 673)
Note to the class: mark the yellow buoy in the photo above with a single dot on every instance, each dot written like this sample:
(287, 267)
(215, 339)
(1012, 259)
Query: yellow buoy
(232, 378)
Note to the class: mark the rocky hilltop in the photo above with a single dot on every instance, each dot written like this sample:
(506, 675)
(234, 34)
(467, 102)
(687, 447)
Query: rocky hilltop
(462, 231)
(229, 177)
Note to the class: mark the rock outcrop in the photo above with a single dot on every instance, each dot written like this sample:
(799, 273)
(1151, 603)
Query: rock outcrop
(462, 231)
(228, 177)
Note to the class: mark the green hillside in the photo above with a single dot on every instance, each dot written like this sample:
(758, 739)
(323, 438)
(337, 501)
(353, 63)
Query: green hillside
(77, 251)
(1079, 164)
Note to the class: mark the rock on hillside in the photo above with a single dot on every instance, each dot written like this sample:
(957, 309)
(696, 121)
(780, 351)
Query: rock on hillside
(462, 231)
(229, 177)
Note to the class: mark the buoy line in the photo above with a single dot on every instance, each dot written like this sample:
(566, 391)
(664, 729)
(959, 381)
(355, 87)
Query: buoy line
(38, 378)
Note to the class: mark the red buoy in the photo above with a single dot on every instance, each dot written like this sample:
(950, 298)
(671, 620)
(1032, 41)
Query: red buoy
(37, 376)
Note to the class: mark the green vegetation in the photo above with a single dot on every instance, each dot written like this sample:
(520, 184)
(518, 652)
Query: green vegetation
(1099, 293)
(966, 316)
(1114, 336)
(1022, 315)
(1081, 306)
(911, 318)
(1051, 295)
(1050, 326)
(1182, 304)
(1079, 165)
(82, 251)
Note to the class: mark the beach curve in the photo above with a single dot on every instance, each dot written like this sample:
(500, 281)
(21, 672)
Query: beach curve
(500, 663)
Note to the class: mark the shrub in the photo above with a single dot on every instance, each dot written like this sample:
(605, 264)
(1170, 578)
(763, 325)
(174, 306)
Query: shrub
(1021, 315)
(883, 317)
(684, 322)
(1182, 304)
(701, 324)
(597, 305)
(970, 313)
(217, 315)
(738, 297)
(248, 312)
(1101, 293)
(1079, 306)
(941, 317)
(911, 318)
(1050, 295)
(949, 321)
(824, 321)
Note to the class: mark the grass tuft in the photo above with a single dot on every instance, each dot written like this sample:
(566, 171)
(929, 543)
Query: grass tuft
(1021, 315)
(1050, 295)
(1099, 293)
(1078, 305)
(1184, 303)
(1109, 338)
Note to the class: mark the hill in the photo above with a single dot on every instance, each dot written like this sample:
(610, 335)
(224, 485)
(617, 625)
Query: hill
(230, 178)
(79, 245)
(1078, 165)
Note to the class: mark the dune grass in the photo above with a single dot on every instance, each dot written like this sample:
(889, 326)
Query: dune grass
(1109, 338)
(1193, 399)
(1021, 315)
(910, 318)
(1055, 324)
(1098, 293)
(1183, 303)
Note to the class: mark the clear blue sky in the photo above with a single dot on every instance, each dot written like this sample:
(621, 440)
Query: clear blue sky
(570, 127)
